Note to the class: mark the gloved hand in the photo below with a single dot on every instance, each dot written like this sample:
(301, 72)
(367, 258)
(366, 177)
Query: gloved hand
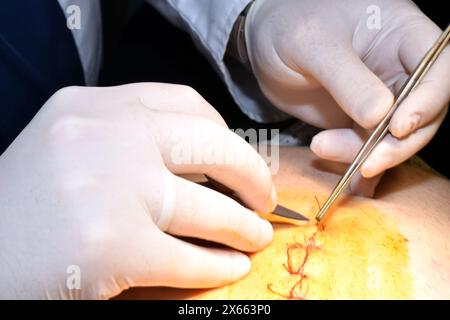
(90, 196)
(335, 65)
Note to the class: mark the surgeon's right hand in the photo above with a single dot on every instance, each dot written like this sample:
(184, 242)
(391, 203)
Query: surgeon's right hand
(91, 198)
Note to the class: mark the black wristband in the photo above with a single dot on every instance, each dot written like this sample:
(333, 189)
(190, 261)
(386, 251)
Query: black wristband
(237, 47)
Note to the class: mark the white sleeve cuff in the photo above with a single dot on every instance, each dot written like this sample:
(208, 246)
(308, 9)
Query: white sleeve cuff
(209, 22)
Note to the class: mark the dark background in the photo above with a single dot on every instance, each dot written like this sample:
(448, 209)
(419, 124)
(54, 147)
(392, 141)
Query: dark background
(145, 47)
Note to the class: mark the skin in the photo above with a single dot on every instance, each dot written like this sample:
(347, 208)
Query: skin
(409, 216)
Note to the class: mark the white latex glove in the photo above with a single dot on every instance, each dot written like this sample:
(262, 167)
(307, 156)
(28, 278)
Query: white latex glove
(91, 185)
(319, 61)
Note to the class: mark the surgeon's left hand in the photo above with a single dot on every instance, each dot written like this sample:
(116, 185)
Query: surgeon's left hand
(336, 65)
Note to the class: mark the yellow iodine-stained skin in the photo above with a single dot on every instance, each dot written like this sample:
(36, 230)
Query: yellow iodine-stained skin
(359, 253)
(363, 251)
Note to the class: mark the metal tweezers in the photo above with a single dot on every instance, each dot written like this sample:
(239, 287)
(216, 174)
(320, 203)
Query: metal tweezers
(383, 127)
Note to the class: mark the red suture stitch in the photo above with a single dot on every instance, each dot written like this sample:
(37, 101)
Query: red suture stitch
(300, 271)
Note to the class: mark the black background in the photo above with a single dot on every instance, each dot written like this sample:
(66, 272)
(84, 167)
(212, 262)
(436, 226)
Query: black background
(146, 47)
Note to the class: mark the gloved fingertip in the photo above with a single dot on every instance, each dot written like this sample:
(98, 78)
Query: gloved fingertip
(316, 145)
(273, 199)
(396, 129)
(241, 266)
(404, 126)
(266, 233)
(410, 124)
(368, 169)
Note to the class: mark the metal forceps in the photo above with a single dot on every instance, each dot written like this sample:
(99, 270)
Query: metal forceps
(383, 127)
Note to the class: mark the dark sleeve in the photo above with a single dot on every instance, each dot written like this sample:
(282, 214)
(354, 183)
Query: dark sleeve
(38, 56)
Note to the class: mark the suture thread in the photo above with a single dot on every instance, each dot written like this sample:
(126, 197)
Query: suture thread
(300, 271)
